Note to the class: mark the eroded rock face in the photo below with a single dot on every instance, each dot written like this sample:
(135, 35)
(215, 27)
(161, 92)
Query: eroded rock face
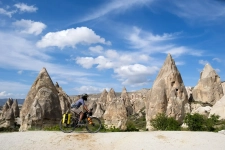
(168, 94)
(99, 111)
(10, 112)
(209, 88)
(223, 85)
(45, 93)
(111, 96)
(16, 109)
(138, 100)
(127, 103)
(65, 100)
(219, 108)
(203, 110)
(116, 114)
(103, 99)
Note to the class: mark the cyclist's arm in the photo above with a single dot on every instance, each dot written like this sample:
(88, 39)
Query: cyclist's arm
(85, 107)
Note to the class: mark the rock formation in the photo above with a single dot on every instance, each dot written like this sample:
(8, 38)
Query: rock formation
(103, 99)
(111, 96)
(209, 88)
(138, 100)
(10, 112)
(168, 94)
(127, 103)
(43, 96)
(219, 108)
(65, 100)
(198, 108)
(115, 114)
(15, 108)
(223, 85)
(99, 111)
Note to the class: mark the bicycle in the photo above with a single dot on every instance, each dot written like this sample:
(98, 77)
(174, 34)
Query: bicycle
(69, 122)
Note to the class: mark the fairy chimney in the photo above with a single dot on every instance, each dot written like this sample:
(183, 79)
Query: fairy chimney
(127, 103)
(209, 88)
(111, 95)
(116, 114)
(103, 99)
(168, 94)
(43, 91)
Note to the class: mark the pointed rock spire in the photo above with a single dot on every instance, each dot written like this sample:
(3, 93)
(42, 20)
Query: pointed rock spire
(111, 95)
(15, 108)
(46, 93)
(124, 93)
(209, 88)
(103, 97)
(115, 115)
(168, 94)
(207, 71)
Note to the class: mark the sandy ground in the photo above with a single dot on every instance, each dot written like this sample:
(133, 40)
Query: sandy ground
(155, 140)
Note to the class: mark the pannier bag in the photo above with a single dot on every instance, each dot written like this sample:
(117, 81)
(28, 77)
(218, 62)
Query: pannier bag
(66, 118)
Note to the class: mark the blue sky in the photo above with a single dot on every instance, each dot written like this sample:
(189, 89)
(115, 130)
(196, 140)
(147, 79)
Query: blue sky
(87, 46)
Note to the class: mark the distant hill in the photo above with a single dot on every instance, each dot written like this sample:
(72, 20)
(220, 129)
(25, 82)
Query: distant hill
(2, 101)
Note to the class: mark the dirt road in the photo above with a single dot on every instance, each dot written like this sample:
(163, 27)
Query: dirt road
(157, 140)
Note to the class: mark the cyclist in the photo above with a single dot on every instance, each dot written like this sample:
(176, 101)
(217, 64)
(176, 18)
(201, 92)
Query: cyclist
(77, 107)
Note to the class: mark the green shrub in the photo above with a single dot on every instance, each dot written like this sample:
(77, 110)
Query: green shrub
(111, 129)
(211, 122)
(3, 129)
(197, 122)
(131, 126)
(162, 122)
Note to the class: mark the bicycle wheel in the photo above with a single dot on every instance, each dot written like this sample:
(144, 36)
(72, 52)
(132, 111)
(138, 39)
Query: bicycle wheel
(67, 128)
(95, 126)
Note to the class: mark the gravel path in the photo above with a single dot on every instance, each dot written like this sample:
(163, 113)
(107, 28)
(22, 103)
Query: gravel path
(156, 140)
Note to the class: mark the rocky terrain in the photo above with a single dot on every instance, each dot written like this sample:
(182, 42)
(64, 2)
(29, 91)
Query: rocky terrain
(46, 102)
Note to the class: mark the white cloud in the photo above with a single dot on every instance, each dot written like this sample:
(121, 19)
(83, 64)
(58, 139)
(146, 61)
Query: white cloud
(206, 10)
(20, 72)
(30, 27)
(88, 90)
(71, 37)
(180, 63)
(203, 62)
(4, 94)
(13, 89)
(25, 8)
(124, 65)
(150, 43)
(217, 59)
(7, 13)
(177, 51)
(114, 6)
(217, 70)
(112, 59)
(140, 39)
(96, 49)
(26, 55)
(86, 62)
(135, 75)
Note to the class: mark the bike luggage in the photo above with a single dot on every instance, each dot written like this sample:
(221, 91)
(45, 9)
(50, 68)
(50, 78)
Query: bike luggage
(66, 118)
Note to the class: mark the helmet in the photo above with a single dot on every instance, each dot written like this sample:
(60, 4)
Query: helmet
(84, 96)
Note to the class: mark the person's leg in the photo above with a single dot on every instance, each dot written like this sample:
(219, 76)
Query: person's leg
(81, 116)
